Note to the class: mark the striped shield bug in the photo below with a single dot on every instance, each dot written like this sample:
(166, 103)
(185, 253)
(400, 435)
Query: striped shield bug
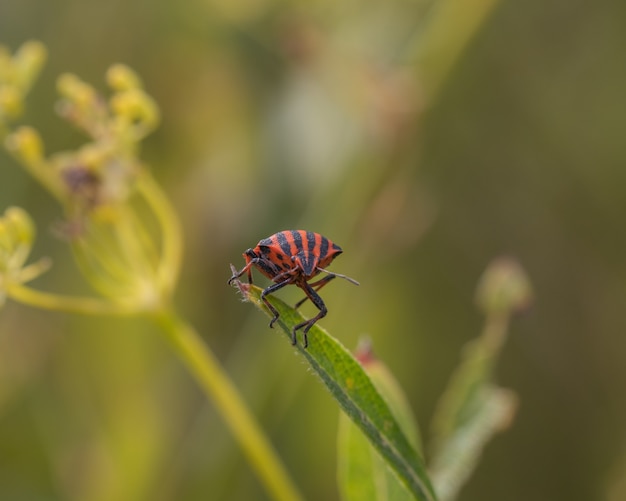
(294, 257)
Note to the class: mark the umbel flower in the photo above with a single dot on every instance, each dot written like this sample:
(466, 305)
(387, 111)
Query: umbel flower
(123, 232)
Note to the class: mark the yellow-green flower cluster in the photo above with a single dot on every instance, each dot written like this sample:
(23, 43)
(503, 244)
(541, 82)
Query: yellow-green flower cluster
(17, 73)
(17, 233)
(102, 173)
(123, 232)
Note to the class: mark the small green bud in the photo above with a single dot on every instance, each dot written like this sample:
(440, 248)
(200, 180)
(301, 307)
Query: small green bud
(17, 233)
(75, 90)
(28, 62)
(504, 287)
(10, 102)
(121, 78)
(135, 108)
(17, 74)
(25, 143)
(21, 225)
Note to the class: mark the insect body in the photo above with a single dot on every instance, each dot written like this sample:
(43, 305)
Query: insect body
(294, 257)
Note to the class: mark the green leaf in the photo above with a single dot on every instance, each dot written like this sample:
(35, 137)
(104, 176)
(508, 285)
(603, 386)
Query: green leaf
(356, 395)
(363, 474)
(457, 457)
(473, 409)
(391, 391)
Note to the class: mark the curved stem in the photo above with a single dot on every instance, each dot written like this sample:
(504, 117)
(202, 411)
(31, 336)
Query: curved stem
(201, 362)
(70, 304)
(217, 385)
(172, 251)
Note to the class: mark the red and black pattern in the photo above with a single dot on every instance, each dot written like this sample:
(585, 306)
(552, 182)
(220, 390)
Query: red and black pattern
(293, 257)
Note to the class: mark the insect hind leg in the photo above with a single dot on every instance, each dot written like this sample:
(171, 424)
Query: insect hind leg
(316, 286)
(321, 283)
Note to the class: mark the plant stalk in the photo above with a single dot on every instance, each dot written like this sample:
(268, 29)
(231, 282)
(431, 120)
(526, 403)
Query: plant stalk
(217, 385)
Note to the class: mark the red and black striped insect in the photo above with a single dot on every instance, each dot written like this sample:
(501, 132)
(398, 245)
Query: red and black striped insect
(294, 257)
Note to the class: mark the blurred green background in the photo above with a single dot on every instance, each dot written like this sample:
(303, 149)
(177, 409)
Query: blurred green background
(335, 117)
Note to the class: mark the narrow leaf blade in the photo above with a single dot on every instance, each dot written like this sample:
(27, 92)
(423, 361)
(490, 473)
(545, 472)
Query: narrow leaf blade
(363, 474)
(352, 388)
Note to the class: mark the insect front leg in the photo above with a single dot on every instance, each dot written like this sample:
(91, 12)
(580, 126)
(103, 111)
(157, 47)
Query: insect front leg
(269, 290)
(243, 270)
(252, 258)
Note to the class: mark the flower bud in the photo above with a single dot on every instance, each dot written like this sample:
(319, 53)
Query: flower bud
(504, 287)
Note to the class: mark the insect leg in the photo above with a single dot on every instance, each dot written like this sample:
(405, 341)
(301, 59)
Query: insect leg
(316, 286)
(269, 290)
(307, 324)
(321, 283)
(243, 270)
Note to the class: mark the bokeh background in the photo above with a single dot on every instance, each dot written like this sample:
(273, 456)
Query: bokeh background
(359, 120)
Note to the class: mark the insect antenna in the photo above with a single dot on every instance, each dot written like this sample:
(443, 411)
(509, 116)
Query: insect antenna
(351, 280)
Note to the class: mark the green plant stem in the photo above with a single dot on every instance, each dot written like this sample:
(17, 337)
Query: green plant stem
(217, 385)
(203, 365)
(71, 304)
(495, 330)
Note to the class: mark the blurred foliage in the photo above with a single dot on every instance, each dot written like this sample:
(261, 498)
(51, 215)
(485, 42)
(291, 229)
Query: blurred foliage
(131, 257)
(473, 407)
(288, 114)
